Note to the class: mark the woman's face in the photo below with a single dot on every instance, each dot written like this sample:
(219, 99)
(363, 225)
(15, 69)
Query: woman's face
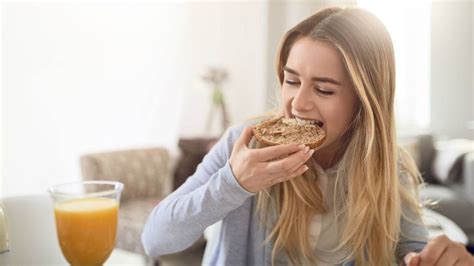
(316, 86)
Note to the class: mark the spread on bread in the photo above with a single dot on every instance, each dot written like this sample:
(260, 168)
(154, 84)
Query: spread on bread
(281, 130)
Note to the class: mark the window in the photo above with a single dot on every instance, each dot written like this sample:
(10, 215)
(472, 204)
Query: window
(409, 26)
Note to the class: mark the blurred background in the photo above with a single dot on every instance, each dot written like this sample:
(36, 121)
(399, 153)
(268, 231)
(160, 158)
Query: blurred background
(79, 78)
(139, 93)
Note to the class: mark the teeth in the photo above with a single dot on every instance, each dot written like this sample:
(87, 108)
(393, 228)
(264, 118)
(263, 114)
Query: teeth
(307, 122)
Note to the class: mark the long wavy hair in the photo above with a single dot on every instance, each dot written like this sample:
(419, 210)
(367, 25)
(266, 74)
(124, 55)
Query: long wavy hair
(369, 162)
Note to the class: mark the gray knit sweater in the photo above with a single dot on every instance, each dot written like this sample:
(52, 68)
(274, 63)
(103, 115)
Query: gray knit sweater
(212, 194)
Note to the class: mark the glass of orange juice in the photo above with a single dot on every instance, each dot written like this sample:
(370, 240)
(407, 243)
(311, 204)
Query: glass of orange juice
(86, 215)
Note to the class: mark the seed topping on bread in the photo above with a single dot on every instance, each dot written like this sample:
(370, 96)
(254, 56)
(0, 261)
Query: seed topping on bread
(282, 130)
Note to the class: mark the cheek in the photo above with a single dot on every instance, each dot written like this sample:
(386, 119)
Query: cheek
(338, 117)
(285, 94)
(286, 97)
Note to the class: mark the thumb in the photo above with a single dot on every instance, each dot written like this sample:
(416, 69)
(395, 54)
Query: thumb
(412, 259)
(245, 137)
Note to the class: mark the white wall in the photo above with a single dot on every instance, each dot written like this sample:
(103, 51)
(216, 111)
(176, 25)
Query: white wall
(1, 101)
(81, 78)
(452, 70)
(231, 35)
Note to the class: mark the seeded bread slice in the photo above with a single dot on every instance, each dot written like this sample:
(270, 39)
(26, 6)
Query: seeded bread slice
(283, 130)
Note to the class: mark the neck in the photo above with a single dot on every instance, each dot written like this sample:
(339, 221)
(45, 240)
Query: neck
(328, 156)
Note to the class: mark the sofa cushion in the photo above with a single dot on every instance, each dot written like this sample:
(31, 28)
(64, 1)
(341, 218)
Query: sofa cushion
(450, 203)
(422, 150)
(448, 164)
(132, 218)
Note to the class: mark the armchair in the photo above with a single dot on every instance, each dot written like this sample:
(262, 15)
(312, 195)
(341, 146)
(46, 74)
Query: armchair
(147, 175)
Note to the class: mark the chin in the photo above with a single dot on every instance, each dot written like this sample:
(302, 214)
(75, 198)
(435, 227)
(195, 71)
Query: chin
(328, 146)
(323, 146)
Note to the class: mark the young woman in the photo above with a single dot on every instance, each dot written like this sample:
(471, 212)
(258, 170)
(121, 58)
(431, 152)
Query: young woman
(352, 201)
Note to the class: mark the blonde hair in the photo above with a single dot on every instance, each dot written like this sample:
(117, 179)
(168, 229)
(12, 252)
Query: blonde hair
(372, 195)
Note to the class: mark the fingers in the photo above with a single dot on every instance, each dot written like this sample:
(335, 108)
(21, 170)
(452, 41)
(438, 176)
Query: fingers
(288, 165)
(449, 257)
(306, 154)
(412, 259)
(440, 251)
(273, 152)
(469, 261)
(244, 138)
(299, 171)
(432, 252)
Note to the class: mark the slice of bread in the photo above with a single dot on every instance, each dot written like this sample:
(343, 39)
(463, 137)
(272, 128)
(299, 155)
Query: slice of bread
(281, 130)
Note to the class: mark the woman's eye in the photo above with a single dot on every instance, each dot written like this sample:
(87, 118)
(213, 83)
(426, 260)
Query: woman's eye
(324, 91)
(318, 89)
(292, 83)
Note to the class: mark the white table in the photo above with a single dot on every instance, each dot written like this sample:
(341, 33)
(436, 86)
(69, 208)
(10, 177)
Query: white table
(32, 235)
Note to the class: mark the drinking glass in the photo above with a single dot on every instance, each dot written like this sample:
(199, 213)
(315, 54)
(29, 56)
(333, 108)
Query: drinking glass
(86, 215)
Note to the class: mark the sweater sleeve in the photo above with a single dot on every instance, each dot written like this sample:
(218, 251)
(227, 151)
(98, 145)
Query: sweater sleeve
(205, 198)
(413, 233)
(413, 236)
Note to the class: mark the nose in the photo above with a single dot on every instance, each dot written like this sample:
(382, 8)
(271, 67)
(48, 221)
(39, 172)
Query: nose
(303, 100)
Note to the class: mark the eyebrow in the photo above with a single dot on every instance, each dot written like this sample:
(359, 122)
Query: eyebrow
(320, 79)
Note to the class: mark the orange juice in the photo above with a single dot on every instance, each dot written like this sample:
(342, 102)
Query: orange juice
(86, 229)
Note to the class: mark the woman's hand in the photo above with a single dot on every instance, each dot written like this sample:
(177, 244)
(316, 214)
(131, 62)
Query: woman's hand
(440, 251)
(254, 169)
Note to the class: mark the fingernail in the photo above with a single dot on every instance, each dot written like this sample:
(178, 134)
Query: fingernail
(311, 152)
(306, 149)
(301, 146)
(305, 168)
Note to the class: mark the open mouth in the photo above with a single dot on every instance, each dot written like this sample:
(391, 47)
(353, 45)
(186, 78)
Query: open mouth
(302, 121)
